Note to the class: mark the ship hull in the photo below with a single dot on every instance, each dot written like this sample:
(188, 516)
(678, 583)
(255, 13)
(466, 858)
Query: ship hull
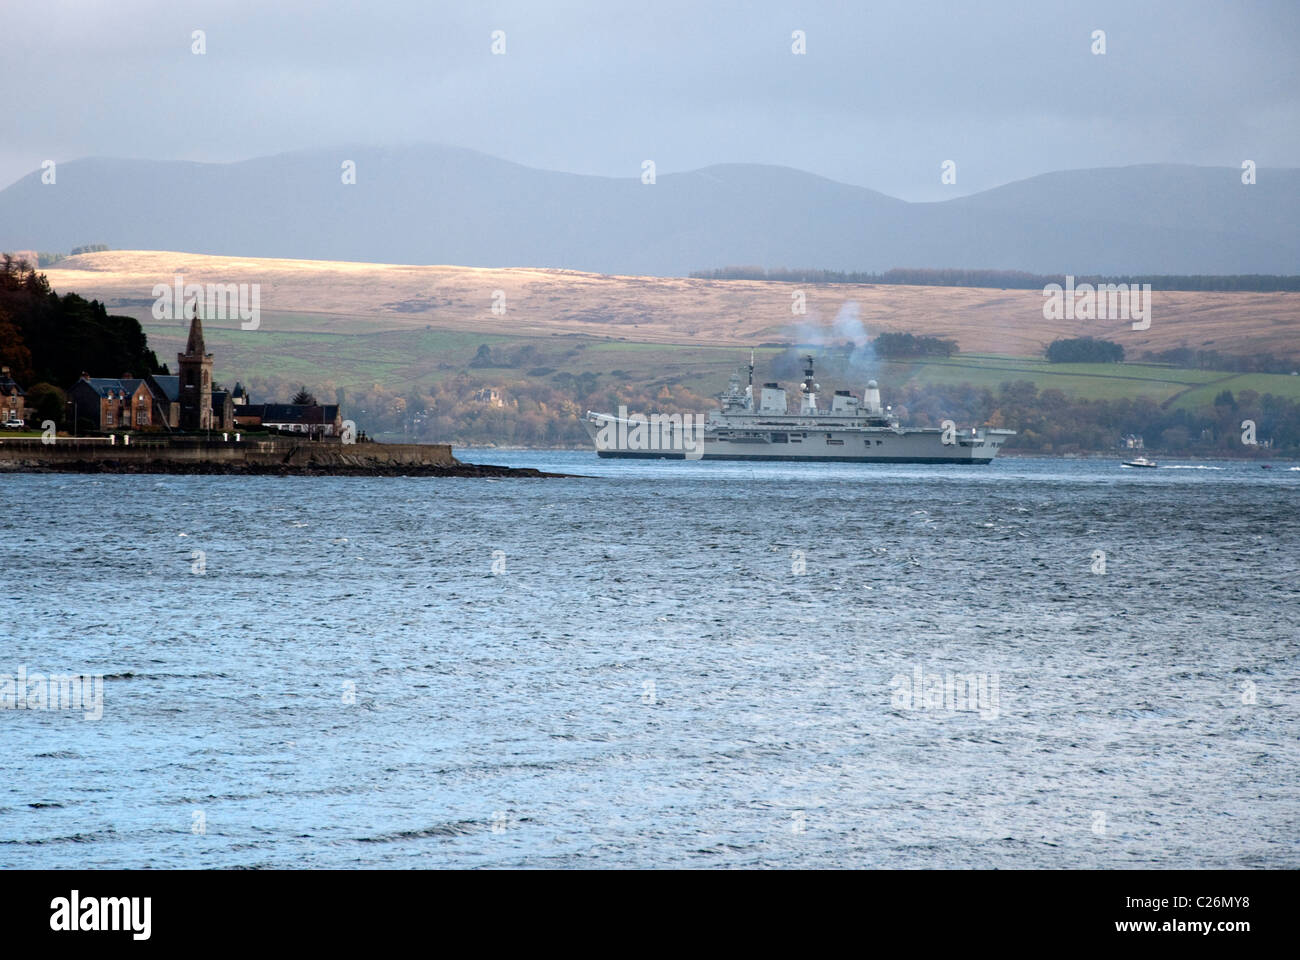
(670, 455)
(806, 442)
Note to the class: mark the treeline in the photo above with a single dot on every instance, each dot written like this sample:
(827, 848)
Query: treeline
(1091, 350)
(529, 412)
(548, 412)
(1191, 359)
(45, 338)
(47, 259)
(902, 346)
(1050, 422)
(1002, 279)
(1084, 350)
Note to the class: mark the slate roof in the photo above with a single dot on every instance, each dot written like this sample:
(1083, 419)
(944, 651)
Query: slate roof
(104, 385)
(169, 386)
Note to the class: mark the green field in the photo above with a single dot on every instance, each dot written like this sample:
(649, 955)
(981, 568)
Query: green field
(315, 349)
(1261, 383)
(1092, 381)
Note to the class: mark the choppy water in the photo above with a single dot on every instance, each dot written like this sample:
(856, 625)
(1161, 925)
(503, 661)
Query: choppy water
(649, 681)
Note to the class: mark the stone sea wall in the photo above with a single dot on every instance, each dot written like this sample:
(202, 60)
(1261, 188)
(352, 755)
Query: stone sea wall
(277, 456)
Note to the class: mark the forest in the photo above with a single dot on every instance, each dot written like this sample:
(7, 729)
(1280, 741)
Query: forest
(999, 279)
(47, 341)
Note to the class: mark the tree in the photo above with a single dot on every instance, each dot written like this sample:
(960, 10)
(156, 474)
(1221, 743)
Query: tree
(65, 336)
(47, 402)
(1084, 350)
(13, 352)
(303, 397)
(901, 345)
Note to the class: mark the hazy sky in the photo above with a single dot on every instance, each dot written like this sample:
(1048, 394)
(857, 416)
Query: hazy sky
(885, 93)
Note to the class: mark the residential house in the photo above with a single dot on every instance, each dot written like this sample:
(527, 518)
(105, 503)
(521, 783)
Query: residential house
(105, 403)
(13, 399)
(315, 419)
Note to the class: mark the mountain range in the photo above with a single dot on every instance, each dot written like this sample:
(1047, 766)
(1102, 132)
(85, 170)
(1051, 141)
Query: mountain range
(434, 204)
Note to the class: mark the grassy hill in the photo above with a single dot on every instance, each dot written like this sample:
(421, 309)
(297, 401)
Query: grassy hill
(381, 331)
(373, 302)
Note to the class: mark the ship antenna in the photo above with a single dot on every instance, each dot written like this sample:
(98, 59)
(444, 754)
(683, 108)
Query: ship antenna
(751, 366)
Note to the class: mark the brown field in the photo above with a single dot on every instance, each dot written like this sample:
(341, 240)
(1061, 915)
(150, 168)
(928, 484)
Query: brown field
(342, 297)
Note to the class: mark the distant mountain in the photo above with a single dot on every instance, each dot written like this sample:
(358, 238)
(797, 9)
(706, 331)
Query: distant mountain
(437, 204)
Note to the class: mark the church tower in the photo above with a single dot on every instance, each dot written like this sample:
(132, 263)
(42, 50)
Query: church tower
(195, 380)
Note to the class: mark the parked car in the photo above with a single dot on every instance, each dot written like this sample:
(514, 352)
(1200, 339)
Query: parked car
(13, 423)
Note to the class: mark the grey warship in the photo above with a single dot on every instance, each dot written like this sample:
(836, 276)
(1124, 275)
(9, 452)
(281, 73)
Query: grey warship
(851, 429)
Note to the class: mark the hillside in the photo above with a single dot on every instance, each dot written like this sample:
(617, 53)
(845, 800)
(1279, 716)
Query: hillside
(439, 204)
(363, 301)
(409, 349)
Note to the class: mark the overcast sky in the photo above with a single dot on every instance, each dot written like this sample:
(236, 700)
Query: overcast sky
(885, 93)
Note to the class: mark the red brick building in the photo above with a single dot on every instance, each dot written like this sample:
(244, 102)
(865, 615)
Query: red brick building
(112, 404)
(13, 399)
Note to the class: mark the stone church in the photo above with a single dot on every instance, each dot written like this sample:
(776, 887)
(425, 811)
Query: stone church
(195, 369)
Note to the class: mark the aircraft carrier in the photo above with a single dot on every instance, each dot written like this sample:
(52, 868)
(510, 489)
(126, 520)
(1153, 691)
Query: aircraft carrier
(851, 429)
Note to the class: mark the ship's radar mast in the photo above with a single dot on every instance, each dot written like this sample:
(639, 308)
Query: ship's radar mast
(808, 400)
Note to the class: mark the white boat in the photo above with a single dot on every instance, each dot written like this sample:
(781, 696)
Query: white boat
(1140, 462)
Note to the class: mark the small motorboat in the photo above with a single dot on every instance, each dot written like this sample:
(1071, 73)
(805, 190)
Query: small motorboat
(1140, 462)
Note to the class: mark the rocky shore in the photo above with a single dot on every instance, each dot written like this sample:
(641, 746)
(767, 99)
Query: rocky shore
(262, 470)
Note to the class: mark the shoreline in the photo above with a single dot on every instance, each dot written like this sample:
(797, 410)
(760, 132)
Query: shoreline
(459, 469)
(252, 457)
